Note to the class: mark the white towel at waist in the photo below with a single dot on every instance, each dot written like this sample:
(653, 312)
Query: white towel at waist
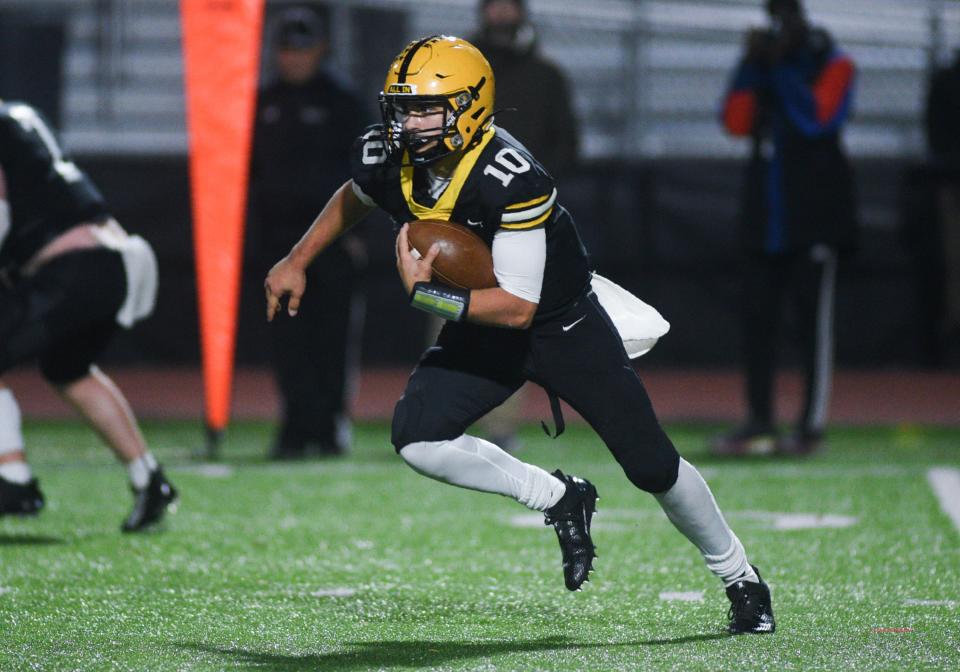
(140, 265)
(639, 324)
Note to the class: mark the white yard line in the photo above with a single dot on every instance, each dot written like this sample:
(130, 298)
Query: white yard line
(334, 592)
(691, 596)
(207, 469)
(798, 521)
(910, 602)
(946, 486)
(625, 520)
(807, 471)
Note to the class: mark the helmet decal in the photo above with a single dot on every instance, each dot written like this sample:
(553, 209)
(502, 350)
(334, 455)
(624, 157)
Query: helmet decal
(408, 58)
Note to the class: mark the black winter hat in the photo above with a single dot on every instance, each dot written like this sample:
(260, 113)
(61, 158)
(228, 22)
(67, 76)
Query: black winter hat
(299, 28)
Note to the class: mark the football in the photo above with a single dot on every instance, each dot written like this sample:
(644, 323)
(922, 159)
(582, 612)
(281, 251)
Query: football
(464, 260)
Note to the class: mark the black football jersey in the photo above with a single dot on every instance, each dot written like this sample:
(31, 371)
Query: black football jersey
(496, 185)
(46, 192)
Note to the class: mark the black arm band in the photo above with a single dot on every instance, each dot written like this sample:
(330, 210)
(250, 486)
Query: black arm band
(447, 302)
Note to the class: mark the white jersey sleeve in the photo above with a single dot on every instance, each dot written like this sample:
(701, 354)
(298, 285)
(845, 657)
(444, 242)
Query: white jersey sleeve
(519, 258)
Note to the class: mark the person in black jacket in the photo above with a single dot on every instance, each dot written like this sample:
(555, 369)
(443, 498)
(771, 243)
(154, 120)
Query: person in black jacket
(536, 98)
(941, 260)
(791, 95)
(306, 121)
(532, 87)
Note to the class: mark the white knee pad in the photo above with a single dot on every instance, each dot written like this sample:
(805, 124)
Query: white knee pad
(424, 457)
(11, 431)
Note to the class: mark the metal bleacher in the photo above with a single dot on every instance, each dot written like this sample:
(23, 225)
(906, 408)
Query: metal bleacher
(646, 74)
(124, 78)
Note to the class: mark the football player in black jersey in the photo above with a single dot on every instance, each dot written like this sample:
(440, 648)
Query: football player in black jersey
(70, 276)
(438, 155)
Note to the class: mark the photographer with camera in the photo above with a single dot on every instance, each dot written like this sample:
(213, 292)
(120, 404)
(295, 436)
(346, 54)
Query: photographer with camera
(791, 94)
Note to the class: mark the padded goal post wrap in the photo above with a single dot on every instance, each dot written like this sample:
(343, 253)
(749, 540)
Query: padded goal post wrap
(447, 302)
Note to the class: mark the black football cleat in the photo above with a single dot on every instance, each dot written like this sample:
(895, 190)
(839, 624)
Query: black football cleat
(150, 503)
(571, 518)
(751, 610)
(20, 499)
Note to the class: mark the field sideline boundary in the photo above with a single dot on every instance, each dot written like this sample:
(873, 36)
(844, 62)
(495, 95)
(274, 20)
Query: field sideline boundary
(679, 395)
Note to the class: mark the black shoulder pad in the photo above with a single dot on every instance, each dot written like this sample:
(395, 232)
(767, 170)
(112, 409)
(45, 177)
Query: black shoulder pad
(369, 162)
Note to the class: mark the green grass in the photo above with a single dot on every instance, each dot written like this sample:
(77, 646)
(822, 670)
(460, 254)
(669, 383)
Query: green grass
(361, 564)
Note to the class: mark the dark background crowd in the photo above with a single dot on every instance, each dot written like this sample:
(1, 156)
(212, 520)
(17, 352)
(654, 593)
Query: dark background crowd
(664, 223)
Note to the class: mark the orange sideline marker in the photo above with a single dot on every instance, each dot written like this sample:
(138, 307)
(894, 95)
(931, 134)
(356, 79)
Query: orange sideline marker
(221, 46)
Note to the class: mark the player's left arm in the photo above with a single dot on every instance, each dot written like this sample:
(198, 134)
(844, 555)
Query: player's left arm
(519, 258)
(498, 308)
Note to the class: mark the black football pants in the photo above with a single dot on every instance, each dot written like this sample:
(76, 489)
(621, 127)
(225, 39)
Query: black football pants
(64, 315)
(578, 356)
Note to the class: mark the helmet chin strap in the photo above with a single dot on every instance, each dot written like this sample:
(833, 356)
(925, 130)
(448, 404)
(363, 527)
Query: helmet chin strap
(432, 156)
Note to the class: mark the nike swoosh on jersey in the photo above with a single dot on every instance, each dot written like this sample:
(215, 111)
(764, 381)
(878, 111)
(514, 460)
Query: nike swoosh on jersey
(470, 222)
(571, 326)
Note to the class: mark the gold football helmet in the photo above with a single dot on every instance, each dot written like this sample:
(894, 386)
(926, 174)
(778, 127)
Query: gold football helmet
(440, 70)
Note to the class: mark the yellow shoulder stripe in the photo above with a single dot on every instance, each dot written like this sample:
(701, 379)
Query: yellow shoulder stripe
(527, 204)
(530, 224)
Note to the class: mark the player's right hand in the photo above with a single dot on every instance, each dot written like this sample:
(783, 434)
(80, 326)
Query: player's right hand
(286, 278)
(413, 269)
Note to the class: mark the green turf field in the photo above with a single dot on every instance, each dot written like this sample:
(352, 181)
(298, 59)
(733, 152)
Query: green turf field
(361, 564)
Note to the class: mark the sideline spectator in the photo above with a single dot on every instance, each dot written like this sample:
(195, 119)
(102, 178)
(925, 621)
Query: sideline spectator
(943, 140)
(791, 94)
(306, 121)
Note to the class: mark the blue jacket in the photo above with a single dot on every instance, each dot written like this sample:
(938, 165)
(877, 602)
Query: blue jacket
(799, 188)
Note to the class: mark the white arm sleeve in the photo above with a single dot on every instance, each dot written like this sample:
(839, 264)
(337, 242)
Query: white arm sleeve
(358, 192)
(518, 261)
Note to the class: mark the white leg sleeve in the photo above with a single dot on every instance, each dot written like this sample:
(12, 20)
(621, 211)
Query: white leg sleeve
(471, 462)
(11, 432)
(691, 508)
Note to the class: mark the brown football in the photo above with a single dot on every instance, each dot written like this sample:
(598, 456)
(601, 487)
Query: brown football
(464, 260)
